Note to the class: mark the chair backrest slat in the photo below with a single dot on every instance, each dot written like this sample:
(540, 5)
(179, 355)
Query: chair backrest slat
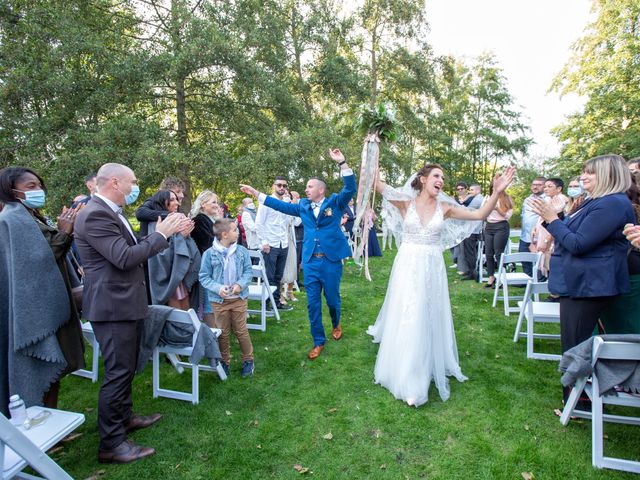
(615, 350)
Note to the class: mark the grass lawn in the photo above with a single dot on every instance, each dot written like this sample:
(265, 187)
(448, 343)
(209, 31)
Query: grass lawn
(329, 417)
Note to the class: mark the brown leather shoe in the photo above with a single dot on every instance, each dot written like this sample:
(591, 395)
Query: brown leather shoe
(315, 352)
(126, 452)
(336, 333)
(142, 421)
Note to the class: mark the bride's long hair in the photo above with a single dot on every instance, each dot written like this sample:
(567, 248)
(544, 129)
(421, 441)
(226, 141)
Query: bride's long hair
(424, 172)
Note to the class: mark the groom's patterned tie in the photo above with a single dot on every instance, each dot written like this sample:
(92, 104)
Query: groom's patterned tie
(316, 208)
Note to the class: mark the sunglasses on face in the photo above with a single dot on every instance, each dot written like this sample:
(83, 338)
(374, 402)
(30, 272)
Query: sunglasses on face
(281, 185)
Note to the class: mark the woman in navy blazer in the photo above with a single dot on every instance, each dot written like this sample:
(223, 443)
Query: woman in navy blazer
(589, 262)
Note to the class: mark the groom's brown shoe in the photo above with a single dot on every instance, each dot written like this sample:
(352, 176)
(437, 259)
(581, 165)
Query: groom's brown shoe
(337, 333)
(315, 352)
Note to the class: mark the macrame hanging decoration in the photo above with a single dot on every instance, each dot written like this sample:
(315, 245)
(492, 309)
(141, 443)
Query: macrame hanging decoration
(378, 125)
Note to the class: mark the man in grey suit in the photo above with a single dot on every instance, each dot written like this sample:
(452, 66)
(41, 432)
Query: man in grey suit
(115, 301)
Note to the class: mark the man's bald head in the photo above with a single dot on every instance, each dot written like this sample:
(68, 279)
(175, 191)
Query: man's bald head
(115, 181)
(111, 170)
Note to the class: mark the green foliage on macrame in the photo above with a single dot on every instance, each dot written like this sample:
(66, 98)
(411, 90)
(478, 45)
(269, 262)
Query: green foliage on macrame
(379, 119)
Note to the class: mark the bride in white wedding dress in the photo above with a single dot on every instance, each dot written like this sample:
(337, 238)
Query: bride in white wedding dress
(415, 326)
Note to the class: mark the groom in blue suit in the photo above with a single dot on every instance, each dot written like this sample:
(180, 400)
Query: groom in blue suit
(323, 248)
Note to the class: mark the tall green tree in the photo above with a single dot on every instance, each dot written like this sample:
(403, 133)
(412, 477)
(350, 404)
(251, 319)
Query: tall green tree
(605, 69)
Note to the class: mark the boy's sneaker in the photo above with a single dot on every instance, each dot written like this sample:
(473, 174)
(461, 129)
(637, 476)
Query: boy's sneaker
(247, 368)
(225, 367)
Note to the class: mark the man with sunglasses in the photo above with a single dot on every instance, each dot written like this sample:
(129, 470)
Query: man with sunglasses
(273, 237)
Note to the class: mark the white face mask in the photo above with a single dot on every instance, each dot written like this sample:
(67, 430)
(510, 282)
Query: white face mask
(574, 192)
(250, 206)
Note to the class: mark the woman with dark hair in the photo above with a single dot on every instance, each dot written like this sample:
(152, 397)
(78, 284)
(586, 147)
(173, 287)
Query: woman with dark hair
(496, 233)
(38, 315)
(415, 325)
(173, 273)
(589, 261)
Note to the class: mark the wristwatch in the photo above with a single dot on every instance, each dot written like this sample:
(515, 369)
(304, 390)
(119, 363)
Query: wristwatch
(342, 163)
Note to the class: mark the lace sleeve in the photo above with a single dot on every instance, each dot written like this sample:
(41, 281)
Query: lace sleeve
(455, 231)
(391, 216)
(393, 194)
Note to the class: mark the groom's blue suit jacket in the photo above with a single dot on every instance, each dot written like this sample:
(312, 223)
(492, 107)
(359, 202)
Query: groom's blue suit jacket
(322, 234)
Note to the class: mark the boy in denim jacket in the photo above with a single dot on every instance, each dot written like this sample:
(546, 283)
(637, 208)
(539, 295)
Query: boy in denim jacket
(226, 273)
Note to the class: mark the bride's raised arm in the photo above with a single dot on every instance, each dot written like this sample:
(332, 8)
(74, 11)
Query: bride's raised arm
(500, 184)
(393, 196)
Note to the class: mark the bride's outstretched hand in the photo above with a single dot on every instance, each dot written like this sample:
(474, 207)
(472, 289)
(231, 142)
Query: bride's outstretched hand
(501, 182)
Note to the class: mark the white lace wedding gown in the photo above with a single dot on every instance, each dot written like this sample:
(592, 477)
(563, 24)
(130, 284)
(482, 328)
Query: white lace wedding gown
(415, 326)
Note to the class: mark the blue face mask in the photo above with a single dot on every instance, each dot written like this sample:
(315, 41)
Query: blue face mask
(133, 195)
(574, 192)
(33, 198)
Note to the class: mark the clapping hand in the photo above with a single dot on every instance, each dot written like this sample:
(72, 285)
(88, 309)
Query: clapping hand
(187, 227)
(632, 232)
(501, 182)
(67, 218)
(544, 209)
(174, 222)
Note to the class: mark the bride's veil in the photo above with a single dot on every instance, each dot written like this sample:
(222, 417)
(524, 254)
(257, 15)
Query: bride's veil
(453, 231)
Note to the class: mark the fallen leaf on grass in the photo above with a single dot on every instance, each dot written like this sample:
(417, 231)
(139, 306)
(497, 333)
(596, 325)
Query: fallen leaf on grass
(71, 437)
(377, 433)
(266, 349)
(449, 440)
(526, 427)
(383, 466)
(96, 475)
(89, 409)
(300, 469)
(528, 476)
(497, 355)
(258, 447)
(332, 410)
(328, 436)
(55, 450)
(177, 466)
(228, 412)
(467, 353)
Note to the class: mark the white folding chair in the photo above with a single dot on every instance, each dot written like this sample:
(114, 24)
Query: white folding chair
(261, 291)
(20, 447)
(182, 316)
(609, 350)
(504, 279)
(89, 336)
(536, 311)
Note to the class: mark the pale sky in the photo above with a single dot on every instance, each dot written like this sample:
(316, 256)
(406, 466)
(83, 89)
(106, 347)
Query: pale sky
(531, 41)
